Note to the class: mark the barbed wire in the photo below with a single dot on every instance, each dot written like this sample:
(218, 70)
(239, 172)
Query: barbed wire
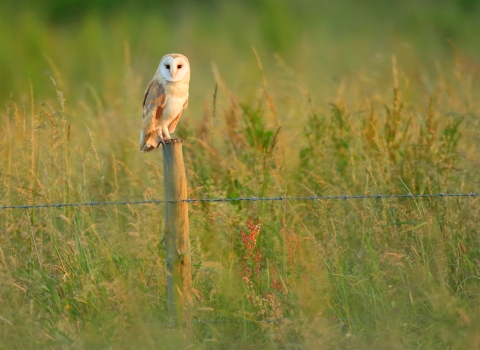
(240, 199)
(200, 321)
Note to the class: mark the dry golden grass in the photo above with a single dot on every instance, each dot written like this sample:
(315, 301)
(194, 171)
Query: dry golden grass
(397, 273)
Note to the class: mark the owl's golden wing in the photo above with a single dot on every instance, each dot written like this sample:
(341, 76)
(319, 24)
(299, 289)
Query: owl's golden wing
(174, 122)
(153, 105)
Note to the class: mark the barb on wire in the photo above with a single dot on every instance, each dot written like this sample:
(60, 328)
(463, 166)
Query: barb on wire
(239, 199)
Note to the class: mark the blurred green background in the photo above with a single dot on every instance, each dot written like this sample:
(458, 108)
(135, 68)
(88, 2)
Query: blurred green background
(321, 41)
(371, 96)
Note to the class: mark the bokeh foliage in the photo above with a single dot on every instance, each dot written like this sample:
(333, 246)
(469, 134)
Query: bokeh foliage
(340, 97)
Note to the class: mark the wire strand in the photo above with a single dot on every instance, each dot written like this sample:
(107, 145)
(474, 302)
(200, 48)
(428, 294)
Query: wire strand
(240, 199)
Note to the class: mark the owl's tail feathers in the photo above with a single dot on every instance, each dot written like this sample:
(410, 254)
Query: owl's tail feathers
(148, 143)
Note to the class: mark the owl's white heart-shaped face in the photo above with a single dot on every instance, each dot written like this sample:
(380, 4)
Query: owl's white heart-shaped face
(174, 67)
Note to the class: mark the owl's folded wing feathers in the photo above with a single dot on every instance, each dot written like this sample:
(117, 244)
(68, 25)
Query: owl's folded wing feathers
(153, 105)
(174, 122)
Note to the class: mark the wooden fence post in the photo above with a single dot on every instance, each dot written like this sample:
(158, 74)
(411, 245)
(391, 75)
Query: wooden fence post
(177, 242)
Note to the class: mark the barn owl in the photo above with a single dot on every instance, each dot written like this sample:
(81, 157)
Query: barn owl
(165, 99)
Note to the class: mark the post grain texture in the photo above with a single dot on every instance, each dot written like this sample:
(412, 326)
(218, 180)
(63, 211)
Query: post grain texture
(177, 242)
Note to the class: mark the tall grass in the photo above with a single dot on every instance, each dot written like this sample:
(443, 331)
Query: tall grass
(398, 273)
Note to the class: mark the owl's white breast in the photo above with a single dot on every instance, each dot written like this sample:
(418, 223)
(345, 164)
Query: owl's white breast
(176, 94)
(176, 89)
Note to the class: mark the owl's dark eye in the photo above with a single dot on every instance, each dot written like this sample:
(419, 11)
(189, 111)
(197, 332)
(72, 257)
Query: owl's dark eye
(179, 66)
(167, 66)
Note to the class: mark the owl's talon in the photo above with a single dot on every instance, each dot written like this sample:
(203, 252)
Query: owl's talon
(162, 141)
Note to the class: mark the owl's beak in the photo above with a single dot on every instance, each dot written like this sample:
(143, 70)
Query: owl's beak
(173, 71)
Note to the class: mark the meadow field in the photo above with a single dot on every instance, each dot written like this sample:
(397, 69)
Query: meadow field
(286, 99)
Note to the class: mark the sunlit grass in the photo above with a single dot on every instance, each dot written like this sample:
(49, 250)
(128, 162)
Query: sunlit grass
(398, 273)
